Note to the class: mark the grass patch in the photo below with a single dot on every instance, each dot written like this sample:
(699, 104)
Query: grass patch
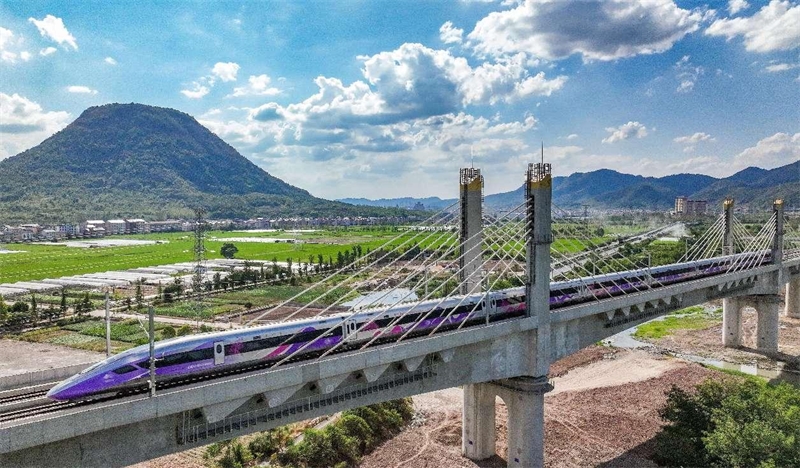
(661, 328)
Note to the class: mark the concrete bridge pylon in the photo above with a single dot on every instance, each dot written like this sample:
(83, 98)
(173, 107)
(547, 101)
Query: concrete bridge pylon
(523, 395)
(766, 300)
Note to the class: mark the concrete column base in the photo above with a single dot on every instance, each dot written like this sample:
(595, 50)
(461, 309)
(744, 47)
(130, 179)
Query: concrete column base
(792, 308)
(524, 398)
(768, 311)
(731, 322)
(477, 427)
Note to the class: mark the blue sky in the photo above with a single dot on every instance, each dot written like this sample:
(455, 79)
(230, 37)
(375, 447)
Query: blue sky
(384, 99)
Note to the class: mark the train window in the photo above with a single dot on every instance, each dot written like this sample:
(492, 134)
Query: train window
(219, 349)
(124, 369)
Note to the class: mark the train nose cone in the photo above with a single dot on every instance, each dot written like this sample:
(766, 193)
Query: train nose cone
(58, 392)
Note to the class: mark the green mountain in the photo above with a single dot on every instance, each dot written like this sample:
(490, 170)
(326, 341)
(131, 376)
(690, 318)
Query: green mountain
(607, 189)
(132, 160)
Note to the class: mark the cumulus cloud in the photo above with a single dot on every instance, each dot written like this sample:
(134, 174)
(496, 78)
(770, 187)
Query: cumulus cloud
(53, 28)
(47, 51)
(197, 91)
(256, 86)
(776, 26)
(449, 34)
(735, 6)
(774, 151)
(81, 90)
(110, 60)
(596, 29)
(407, 115)
(625, 132)
(10, 46)
(225, 71)
(25, 124)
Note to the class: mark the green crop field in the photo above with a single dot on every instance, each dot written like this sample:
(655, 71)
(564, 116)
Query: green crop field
(39, 261)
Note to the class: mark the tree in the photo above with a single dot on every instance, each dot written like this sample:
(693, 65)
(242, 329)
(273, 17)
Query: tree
(63, 305)
(3, 310)
(228, 250)
(139, 296)
(87, 303)
(289, 265)
(34, 310)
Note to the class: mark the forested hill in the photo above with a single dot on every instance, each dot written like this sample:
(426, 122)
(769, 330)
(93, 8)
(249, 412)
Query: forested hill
(607, 189)
(132, 160)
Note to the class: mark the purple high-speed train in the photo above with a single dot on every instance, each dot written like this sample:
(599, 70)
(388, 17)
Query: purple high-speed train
(208, 353)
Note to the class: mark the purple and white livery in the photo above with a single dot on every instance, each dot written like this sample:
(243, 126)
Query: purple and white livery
(208, 353)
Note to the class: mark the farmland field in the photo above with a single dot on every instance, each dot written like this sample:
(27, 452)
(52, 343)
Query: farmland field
(39, 261)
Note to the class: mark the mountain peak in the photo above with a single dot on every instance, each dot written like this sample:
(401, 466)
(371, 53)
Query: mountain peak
(142, 161)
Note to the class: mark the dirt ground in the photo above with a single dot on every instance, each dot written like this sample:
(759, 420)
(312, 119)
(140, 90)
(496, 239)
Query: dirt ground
(585, 423)
(21, 357)
(708, 343)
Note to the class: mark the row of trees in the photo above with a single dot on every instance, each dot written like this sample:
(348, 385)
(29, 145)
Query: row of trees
(23, 314)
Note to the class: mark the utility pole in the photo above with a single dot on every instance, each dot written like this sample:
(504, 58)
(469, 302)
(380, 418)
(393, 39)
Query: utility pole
(151, 332)
(199, 260)
(108, 328)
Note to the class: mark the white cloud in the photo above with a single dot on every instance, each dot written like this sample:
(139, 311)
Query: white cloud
(256, 86)
(110, 60)
(625, 132)
(694, 138)
(687, 75)
(404, 123)
(776, 26)
(781, 67)
(25, 124)
(47, 51)
(81, 90)
(53, 28)
(572, 136)
(774, 151)
(449, 34)
(225, 71)
(197, 91)
(10, 46)
(596, 29)
(735, 6)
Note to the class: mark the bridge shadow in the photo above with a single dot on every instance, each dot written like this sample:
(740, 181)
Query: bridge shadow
(639, 456)
(495, 461)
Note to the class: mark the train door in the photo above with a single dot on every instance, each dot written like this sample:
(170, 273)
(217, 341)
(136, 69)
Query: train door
(219, 353)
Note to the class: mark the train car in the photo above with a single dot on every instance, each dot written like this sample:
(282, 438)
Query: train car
(209, 353)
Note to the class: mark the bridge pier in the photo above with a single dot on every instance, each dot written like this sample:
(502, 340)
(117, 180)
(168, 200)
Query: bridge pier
(731, 322)
(477, 426)
(768, 312)
(524, 399)
(793, 297)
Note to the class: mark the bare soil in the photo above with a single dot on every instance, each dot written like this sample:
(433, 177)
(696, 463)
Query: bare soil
(22, 357)
(604, 412)
(708, 343)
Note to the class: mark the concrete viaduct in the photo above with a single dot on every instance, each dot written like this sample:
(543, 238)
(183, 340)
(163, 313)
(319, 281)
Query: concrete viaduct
(509, 359)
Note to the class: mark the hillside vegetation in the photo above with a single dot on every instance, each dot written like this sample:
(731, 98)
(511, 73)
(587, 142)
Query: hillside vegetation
(132, 160)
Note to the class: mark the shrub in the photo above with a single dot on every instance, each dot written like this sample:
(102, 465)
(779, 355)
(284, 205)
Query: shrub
(184, 330)
(745, 423)
(270, 442)
(168, 332)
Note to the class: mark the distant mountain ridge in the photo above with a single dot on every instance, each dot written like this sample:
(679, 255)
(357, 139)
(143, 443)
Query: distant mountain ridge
(133, 160)
(609, 189)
